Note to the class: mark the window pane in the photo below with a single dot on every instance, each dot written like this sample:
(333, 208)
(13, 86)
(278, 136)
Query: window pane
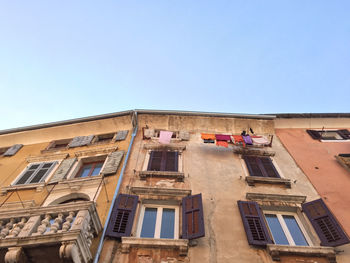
(295, 231)
(276, 230)
(86, 170)
(97, 169)
(25, 177)
(149, 222)
(168, 223)
(39, 176)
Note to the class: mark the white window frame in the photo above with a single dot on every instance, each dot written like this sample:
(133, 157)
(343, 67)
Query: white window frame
(285, 228)
(45, 178)
(158, 220)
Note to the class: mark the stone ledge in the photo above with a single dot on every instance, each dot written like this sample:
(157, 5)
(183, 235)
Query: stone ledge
(48, 157)
(179, 176)
(275, 197)
(259, 151)
(160, 191)
(278, 250)
(93, 152)
(39, 187)
(179, 244)
(170, 146)
(252, 180)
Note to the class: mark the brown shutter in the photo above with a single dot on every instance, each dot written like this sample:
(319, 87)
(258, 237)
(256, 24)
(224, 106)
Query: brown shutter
(314, 134)
(253, 166)
(13, 150)
(326, 226)
(122, 217)
(112, 163)
(345, 134)
(155, 161)
(171, 161)
(121, 135)
(269, 168)
(192, 217)
(254, 223)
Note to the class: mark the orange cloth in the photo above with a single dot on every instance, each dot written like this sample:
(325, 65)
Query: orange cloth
(237, 139)
(222, 143)
(208, 136)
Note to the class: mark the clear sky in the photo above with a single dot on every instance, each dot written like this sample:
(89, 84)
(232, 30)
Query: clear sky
(67, 59)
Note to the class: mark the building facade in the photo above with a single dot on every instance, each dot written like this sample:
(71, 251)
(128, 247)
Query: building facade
(166, 186)
(57, 185)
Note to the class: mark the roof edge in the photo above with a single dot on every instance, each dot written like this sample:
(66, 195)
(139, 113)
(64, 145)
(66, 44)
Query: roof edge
(311, 115)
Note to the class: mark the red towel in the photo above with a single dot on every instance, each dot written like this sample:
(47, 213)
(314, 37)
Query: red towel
(222, 143)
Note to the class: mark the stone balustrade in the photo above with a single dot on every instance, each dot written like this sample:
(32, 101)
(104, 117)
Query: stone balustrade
(66, 229)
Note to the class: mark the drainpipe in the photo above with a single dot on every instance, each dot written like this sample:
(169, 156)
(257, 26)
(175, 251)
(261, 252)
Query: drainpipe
(100, 245)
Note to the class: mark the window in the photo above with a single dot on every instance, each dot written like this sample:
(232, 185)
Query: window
(329, 135)
(344, 160)
(157, 133)
(163, 161)
(261, 166)
(159, 222)
(104, 138)
(35, 173)
(90, 169)
(3, 150)
(286, 229)
(58, 144)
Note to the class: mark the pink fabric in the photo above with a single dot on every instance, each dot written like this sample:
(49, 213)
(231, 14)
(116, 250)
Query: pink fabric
(165, 137)
(222, 137)
(261, 140)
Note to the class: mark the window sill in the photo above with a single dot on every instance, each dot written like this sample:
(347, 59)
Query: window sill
(279, 250)
(39, 187)
(252, 150)
(179, 176)
(179, 244)
(340, 140)
(252, 180)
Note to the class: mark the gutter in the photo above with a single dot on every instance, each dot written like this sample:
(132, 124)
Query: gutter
(100, 245)
(140, 111)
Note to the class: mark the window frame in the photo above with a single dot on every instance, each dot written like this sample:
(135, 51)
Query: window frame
(273, 162)
(94, 163)
(96, 139)
(320, 132)
(279, 215)
(53, 144)
(158, 222)
(43, 179)
(163, 160)
(86, 160)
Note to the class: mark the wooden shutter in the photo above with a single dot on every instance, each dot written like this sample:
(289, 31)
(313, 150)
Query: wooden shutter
(192, 217)
(253, 166)
(80, 141)
(171, 161)
(112, 163)
(63, 170)
(326, 226)
(314, 134)
(155, 161)
(268, 167)
(13, 150)
(345, 134)
(254, 224)
(122, 217)
(121, 135)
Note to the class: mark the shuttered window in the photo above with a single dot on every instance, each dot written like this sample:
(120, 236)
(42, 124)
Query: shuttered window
(329, 134)
(192, 217)
(254, 224)
(35, 173)
(261, 166)
(122, 216)
(326, 226)
(163, 161)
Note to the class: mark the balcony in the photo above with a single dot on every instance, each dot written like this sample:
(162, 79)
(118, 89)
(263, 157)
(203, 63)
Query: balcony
(60, 233)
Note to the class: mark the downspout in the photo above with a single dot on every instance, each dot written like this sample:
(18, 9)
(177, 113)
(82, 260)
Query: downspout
(135, 127)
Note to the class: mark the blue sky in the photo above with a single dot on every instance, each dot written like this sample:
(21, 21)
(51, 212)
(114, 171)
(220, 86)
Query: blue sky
(68, 59)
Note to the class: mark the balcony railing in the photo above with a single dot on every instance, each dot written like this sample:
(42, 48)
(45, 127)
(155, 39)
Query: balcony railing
(55, 233)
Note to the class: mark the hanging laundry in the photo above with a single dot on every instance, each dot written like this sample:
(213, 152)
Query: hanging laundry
(261, 140)
(222, 143)
(222, 137)
(237, 139)
(165, 137)
(248, 140)
(208, 136)
(209, 141)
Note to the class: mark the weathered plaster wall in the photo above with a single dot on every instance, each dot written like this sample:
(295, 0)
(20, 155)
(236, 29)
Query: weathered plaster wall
(218, 174)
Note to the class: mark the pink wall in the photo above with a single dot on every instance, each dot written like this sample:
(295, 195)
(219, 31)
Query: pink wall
(317, 161)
